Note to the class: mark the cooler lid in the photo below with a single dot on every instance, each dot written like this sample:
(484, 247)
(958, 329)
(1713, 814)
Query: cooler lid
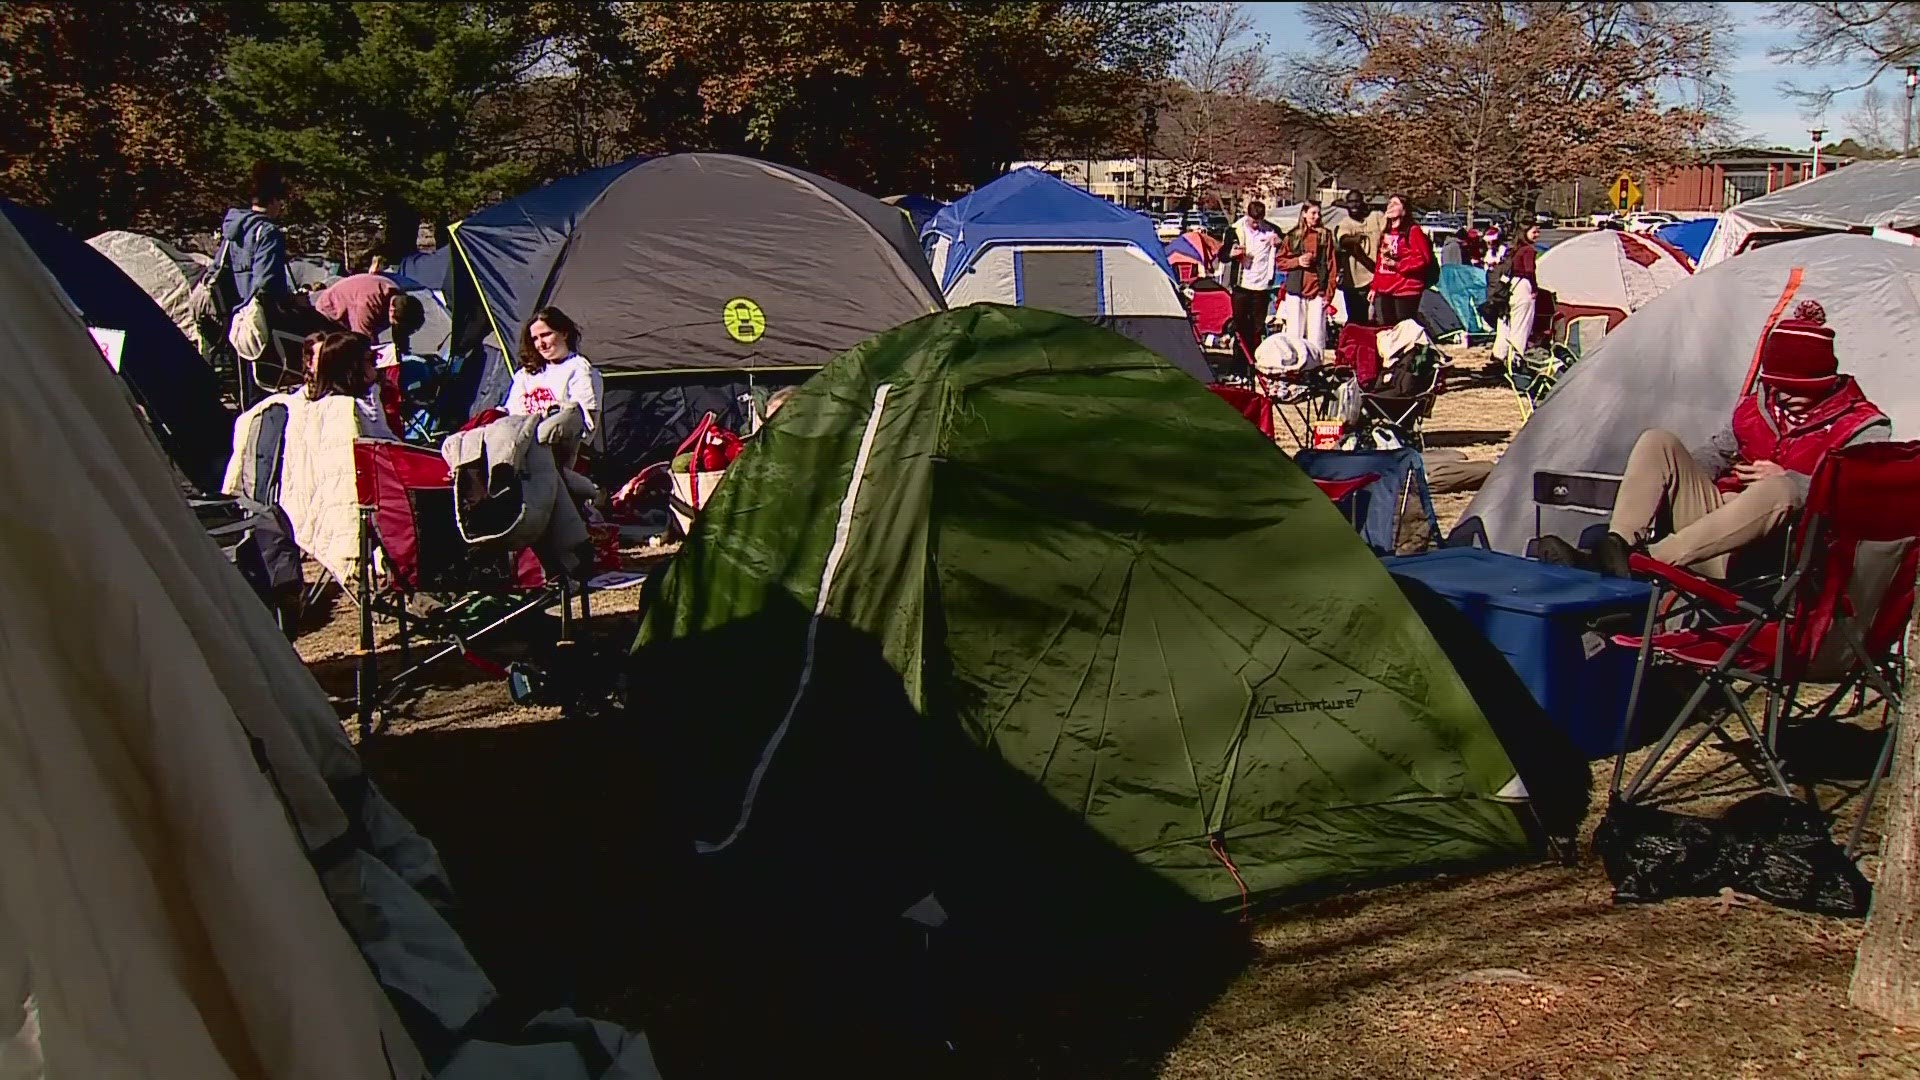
(1490, 578)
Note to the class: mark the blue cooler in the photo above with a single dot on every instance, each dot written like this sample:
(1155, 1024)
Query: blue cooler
(1541, 619)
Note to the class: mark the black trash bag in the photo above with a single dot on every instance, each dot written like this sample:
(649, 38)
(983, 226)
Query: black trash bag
(1766, 845)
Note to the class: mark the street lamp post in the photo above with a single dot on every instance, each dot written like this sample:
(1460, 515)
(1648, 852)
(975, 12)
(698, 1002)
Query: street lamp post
(1818, 134)
(1906, 129)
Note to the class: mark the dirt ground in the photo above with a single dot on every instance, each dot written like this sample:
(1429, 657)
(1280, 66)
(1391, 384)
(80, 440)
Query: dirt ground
(1526, 971)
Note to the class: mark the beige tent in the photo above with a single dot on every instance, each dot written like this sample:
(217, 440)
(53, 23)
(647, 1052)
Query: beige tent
(162, 271)
(200, 882)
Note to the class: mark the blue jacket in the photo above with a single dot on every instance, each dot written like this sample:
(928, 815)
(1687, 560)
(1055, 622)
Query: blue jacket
(258, 255)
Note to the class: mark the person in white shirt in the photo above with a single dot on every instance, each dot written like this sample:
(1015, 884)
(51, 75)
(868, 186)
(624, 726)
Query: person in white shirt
(1257, 248)
(552, 372)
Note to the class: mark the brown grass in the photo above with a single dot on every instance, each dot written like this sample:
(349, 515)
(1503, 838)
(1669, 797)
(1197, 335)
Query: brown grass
(1521, 972)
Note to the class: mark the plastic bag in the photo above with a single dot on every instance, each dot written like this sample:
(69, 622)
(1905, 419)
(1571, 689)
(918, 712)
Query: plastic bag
(1766, 845)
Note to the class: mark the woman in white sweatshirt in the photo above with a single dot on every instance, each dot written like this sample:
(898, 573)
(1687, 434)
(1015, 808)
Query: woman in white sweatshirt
(552, 372)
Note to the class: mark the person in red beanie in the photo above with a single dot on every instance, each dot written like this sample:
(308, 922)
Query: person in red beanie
(1753, 475)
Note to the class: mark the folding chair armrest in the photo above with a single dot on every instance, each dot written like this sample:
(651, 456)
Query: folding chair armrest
(1693, 585)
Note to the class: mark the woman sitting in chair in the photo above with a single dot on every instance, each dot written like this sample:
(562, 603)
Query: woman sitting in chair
(343, 364)
(552, 372)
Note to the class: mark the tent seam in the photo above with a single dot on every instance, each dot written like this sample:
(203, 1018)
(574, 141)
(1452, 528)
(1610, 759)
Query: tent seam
(842, 532)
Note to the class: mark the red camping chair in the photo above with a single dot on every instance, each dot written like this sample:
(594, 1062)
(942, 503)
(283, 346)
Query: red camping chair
(407, 512)
(1257, 408)
(1212, 313)
(1359, 351)
(1837, 618)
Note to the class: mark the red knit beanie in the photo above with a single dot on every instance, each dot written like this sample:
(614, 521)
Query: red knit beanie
(1798, 358)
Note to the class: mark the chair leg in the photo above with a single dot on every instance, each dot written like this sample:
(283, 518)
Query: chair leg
(1766, 751)
(406, 640)
(1880, 769)
(367, 675)
(1633, 696)
(1639, 781)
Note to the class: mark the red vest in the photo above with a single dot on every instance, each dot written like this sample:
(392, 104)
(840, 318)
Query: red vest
(1829, 425)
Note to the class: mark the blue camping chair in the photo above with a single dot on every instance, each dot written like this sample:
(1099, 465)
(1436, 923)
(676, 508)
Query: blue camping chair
(1376, 508)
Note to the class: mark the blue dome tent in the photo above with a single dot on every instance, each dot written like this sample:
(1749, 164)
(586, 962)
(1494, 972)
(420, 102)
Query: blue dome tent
(429, 268)
(1036, 241)
(178, 389)
(1689, 236)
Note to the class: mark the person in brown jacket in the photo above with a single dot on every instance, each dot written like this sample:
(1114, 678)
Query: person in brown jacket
(1308, 259)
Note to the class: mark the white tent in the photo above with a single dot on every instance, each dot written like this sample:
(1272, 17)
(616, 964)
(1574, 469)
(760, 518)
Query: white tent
(200, 881)
(1862, 197)
(162, 271)
(1682, 362)
(1608, 273)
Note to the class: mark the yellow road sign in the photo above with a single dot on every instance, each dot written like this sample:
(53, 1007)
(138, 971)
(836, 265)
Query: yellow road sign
(1624, 193)
(744, 320)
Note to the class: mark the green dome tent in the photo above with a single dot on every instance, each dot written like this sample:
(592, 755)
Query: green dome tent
(1002, 535)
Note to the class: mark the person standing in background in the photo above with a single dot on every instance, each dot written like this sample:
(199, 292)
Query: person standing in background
(1313, 275)
(1256, 248)
(1515, 329)
(1358, 242)
(257, 249)
(1406, 265)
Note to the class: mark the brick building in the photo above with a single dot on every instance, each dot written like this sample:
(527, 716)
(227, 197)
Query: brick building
(1731, 177)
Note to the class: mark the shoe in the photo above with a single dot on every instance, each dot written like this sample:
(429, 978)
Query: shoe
(1612, 554)
(1557, 552)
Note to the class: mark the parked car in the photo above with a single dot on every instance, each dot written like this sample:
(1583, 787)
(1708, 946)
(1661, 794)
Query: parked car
(1645, 221)
(1544, 220)
(1603, 219)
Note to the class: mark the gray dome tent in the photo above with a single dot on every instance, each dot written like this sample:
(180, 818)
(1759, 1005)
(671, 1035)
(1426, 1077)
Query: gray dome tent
(1682, 361)
(692, 276)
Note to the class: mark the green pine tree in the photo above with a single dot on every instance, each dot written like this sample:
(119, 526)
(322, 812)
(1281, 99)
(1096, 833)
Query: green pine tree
(378, 108)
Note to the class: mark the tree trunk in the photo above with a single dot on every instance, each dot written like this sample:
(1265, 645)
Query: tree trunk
(399, 231)
(1886, 975)
(1473, 190)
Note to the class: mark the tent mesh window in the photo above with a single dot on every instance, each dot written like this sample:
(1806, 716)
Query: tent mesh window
(1064, 281)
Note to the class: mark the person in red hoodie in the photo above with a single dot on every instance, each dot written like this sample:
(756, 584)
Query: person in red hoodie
(1406, 262)
(1751, 476)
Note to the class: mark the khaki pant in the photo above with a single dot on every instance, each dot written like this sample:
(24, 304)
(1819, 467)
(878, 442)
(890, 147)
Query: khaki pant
(1708, 525)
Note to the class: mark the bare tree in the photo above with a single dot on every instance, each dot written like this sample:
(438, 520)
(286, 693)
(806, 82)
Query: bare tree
(1869, 39)
(1216, 126)
(1886, 975)
(1509, 97)
(1873, 123)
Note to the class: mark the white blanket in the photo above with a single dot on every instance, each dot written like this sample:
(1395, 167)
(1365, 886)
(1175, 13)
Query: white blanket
(316, 483)
(1396, 341)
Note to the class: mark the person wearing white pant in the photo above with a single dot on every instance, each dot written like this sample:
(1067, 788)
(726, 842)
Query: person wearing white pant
(1511, 333)
(1515, 330)
(1313, 278)
(1306, 320)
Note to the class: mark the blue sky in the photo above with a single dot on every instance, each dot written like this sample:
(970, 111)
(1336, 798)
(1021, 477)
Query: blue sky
(1766, 114)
